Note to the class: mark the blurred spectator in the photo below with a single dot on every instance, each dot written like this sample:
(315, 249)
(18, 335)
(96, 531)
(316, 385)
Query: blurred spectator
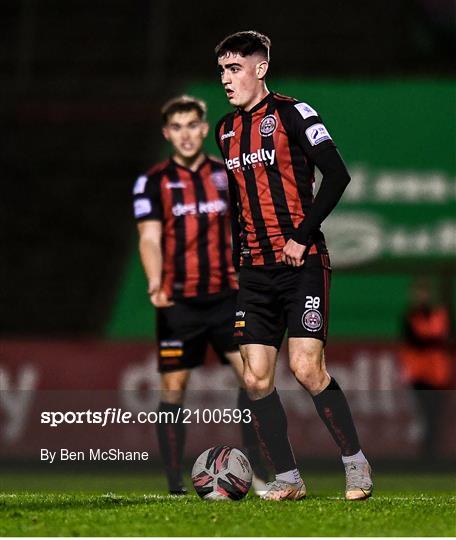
(426, 362)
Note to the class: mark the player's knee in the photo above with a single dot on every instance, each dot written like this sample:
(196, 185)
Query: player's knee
(257, 386)
(176, 385)
(305, 358)
(305, 375)
(173, 388)
(313, 380)
(306, 367)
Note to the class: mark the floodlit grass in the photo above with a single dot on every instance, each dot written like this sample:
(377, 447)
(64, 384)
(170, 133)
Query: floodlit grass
(64, 504)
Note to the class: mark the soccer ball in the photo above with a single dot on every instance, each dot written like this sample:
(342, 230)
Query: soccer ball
(222, 473)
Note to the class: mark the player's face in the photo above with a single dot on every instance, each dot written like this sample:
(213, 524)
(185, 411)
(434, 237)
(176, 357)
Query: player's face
(242, 78)
(186, 133)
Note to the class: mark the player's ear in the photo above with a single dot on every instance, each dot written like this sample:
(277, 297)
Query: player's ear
(262, 69)
(205, 129)
(165, 132)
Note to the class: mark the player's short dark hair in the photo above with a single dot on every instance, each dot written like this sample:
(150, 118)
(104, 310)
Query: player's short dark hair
(244, 43)
(181, 104)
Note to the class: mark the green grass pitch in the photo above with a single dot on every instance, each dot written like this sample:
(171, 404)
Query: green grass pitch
(135, 504)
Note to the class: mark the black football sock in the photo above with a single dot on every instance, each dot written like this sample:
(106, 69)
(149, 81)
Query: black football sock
(171, 441)
(250, 442)
(333, 409)
(270, 423)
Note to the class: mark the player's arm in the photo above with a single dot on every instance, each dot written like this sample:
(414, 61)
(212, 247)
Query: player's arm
(335, 180)
(150, 250)
(317, 144)
(149, 215)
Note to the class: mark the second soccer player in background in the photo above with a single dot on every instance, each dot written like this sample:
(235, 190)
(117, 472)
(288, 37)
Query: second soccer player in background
(182, 210)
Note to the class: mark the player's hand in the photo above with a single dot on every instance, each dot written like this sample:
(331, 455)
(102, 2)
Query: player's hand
(157, 295)
(160, 300)
(292, 253)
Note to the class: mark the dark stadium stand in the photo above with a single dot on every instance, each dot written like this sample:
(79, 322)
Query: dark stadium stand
(76, 136)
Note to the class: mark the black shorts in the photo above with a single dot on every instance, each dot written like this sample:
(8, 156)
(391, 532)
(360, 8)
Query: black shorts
(185, 329)
(273, 300)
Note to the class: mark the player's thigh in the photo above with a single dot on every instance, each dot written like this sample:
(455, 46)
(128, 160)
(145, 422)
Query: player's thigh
(306, 299)
(306, 354)
(259, 316)
(182, 341)
(236, 362)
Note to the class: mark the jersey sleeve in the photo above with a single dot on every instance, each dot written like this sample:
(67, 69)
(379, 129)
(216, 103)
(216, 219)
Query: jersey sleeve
(146, 198)
(306, 128)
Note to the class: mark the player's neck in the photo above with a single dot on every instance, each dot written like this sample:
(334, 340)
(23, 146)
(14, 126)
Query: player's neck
(262, 93)
(192, 163)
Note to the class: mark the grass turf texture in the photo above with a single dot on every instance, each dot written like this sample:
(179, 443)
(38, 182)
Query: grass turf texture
(122, 504)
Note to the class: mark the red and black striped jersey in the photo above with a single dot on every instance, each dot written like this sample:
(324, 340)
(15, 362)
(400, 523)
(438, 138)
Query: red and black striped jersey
(269, 155)
(194, 210)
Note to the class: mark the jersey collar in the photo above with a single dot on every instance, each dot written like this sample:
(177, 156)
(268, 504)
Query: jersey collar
(206, 159)
(258, 106)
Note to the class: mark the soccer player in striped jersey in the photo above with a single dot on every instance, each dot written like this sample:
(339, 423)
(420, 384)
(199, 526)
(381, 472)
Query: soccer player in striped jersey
(182, 211)
(271, 145)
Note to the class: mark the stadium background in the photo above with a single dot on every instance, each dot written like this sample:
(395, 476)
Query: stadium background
(82, 84)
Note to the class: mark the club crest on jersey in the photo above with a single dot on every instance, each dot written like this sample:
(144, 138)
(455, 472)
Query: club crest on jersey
(312, 320)
(220, 180)
(268, 125)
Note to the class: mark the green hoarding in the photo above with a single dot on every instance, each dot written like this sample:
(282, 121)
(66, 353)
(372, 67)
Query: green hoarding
(397, 219)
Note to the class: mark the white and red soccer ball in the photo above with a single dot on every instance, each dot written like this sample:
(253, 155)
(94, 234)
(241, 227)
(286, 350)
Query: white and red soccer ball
(222, 473)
